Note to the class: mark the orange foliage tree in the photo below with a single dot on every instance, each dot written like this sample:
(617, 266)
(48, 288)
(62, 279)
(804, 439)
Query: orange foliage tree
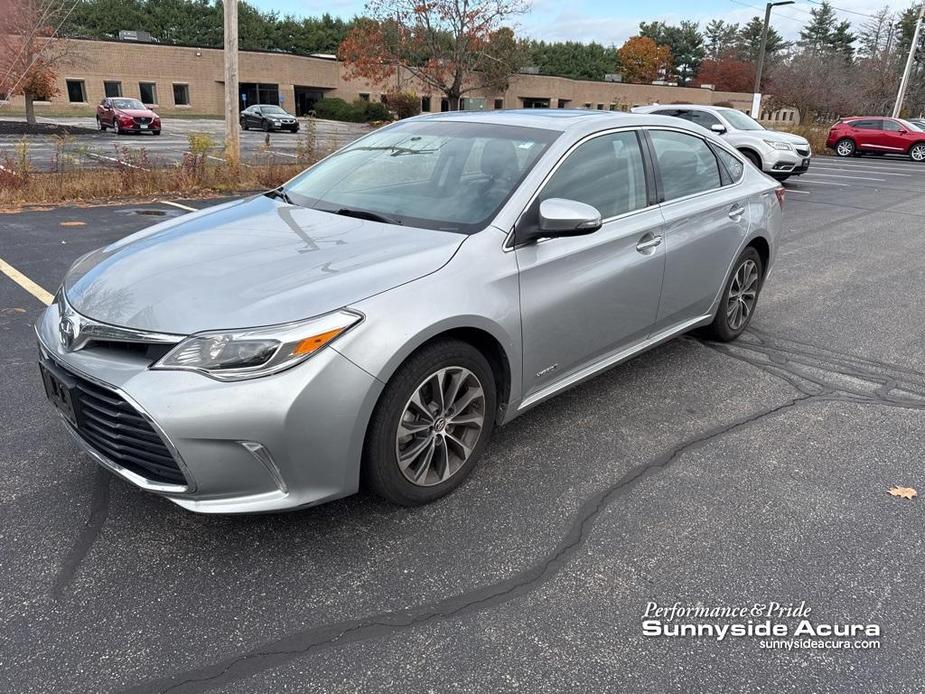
(727, 74)
(28, 58)
(642, 60)
(451, 46)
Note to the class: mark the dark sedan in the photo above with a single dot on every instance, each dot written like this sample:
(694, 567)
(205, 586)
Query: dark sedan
(265, 117)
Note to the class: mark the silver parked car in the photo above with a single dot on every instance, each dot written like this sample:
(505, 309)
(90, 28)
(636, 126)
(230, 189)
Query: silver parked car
(777, 153)
(375, 318)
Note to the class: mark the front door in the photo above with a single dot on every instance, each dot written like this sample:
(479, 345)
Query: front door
(583, 298)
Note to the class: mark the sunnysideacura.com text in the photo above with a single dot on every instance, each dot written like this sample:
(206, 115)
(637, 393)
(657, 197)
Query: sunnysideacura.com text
(772, 625)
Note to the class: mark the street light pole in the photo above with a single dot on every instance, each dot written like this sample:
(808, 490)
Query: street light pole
(901, 94)
(232, 135)
(756, 96)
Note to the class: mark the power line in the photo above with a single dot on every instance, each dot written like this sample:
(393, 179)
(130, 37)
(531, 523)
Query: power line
(776, 14)
(839, 9)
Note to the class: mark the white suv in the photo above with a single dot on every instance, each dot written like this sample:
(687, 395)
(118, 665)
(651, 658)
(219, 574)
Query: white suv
(778, 154)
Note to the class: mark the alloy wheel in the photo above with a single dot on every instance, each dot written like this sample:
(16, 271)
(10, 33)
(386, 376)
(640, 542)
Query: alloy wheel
(743, 292)
(845, 148)
(440, 426)
(917, 153)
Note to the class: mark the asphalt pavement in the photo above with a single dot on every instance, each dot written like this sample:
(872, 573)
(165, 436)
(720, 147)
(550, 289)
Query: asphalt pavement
(106, 149)
(697, 473)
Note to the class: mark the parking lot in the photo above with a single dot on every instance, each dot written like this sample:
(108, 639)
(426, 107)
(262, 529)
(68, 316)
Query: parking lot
(697, 473)
(105, 149)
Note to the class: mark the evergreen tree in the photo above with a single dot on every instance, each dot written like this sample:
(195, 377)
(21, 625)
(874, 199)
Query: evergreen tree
(720, 38)
(749, 42)
(816, 36)
(686, 43)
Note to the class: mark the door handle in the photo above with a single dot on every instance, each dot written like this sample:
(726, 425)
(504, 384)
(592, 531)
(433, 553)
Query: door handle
(736, 212)
(648, 243)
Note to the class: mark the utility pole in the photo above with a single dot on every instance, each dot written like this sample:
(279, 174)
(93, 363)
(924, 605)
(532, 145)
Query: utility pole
(913, 49)
(756, 95)
(232, 135)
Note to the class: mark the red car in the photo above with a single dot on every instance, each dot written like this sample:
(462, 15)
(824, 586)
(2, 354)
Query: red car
(876, 134)
(127, 116)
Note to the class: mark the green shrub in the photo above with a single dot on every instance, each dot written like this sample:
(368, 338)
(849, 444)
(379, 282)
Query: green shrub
(375, 110)
(405, 104)
(338, 109)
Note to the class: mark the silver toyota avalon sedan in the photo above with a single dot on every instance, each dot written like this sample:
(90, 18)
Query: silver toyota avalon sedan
(375, 318)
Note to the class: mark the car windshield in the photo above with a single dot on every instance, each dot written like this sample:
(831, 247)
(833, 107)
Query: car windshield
(740, 121)
(909, 125)
(271, 109)
(445, 175)
(129, 103)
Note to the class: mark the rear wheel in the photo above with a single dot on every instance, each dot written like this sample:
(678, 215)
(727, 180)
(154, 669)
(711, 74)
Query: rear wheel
(752, 157)
(431, 424)
(781, 177)
(739, 298)
(917, 151)
(845, 147)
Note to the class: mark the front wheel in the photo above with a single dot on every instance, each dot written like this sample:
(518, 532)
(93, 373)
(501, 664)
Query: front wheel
(739, 298)
(243, 124)
(845, 147)
(431, 424)
(917, 152)
(99, 124)
(752, 157)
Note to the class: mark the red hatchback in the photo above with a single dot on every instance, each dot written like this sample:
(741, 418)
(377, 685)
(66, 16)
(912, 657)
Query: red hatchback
(876, 134)
(127, 116)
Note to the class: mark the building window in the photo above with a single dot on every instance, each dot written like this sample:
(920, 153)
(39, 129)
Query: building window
(588, 105)
(563, 103)
(148, 92)
(76, 93)
(499, 104)
(425, 104)
(112, 89)
(600, 107)
(364, 97)
(181, 95)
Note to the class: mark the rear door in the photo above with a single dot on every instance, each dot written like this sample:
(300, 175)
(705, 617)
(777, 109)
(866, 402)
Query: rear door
(868, 134)
(585, 297)
(706, 218)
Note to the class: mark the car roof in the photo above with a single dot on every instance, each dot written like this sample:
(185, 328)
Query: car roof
(560, 119)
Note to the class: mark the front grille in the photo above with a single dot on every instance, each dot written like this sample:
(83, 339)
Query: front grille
(142, 120)
(803, 151)
(109, 424)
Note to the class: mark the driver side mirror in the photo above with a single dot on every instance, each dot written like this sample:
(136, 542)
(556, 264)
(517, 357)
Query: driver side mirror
(560, 217)
(903, 131)
(718, 128)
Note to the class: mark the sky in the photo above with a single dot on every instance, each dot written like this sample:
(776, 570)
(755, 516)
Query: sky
(613, 21)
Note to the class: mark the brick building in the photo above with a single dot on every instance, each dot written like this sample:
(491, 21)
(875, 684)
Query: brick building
(188, 80)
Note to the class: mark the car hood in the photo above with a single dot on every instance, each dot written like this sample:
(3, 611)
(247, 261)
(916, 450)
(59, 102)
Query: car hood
(249, 263)
(137, 112)
(781, 136)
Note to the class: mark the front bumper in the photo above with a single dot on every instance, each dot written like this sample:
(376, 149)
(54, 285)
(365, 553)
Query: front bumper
(777, 161)
(284, 441)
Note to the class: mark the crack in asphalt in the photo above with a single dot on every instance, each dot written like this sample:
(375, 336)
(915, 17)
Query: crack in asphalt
(818, 375)
(322, 638)
(99, 510)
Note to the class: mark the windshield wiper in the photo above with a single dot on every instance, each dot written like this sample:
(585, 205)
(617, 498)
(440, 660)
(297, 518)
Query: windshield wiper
(365, 214)
(281, 194)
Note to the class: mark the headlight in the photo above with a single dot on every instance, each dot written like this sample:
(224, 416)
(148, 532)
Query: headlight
(235, 355)
(779, 145)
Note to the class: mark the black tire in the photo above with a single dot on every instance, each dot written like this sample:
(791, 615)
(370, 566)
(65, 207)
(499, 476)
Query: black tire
(155, 132)
(752, 157)
(917, 152)
(99, 124)
(244, 125)
(380, 470)
(845, 147)
(780, 177)
(721, 329)
(266, 126)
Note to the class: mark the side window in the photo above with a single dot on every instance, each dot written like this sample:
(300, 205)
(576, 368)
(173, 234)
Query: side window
(606, 173)
(891, 125)
(702, 118)
(677, 113)
(733, 166)
(686, 164)
(867, 124)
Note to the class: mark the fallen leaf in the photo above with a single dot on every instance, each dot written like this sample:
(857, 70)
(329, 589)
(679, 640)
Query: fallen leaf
(73, 224)
(903, 492)
(9, 311)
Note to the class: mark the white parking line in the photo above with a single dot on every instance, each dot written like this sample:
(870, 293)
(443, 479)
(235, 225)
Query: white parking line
(853, 178)
(180, 205)
(883, 172)
(24, 282)
(285, 154)
(794, 190)
(118, 161)
(824, 183)
(893, 165)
